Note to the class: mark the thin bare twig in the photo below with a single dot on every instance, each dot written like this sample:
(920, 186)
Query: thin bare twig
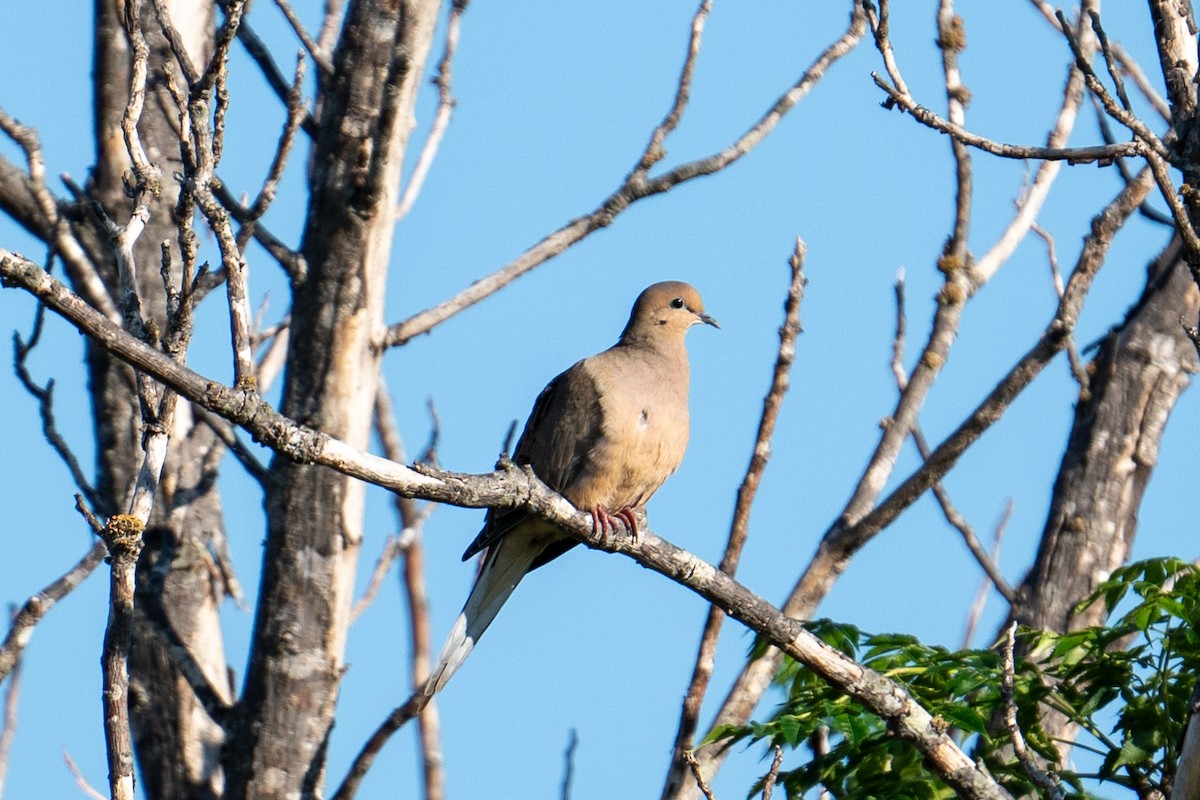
(1078, 370)
(8, 724)
(569, 764)
(261, 56)
(37, 606)
(441, 117)
(951, 39)
(1048, 783)
(58, 231)
(1153, 144)
(1133, 69)
(694, 766)
(1035, 195)
(266, 194)
(949, 510)
(654, 151)
(739, 529)
(319, 56)
(635, 187)
(772, 774)
(899, 96)
(80, 780)
(975, 613)
(45, 397)
(410, 544)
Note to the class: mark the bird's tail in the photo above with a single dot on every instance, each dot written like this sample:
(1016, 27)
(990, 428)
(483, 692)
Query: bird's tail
(506, 563)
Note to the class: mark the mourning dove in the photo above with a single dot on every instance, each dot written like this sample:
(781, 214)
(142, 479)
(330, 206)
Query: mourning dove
(605, 434)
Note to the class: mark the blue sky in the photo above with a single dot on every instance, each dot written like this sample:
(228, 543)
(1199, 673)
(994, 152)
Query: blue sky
(555, 103)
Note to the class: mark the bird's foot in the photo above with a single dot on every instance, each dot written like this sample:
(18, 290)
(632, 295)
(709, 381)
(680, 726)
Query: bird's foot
(604, 523)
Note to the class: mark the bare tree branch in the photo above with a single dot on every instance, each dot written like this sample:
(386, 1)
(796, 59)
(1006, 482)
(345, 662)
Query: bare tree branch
(36, 607)
(635, 187)
(844, 538)
(511, 487)
(123, 537)
(319, 56)
(1048, 783)
(441, 118)
(780, 381)
(80, 780)
(8, 720)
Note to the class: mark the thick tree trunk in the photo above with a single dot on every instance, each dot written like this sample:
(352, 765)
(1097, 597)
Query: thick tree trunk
(1135, 380)
(177, 745)
(315, 514)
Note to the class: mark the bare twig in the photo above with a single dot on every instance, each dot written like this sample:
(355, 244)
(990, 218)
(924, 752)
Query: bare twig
(330, 23)
(1110, 60)
(295, 115)
(410, 543)
(899, 96)
(701, 784)
(1133, 69)
(80, 780)
(1048, 783)
(569, 764)
(291, 261)
(654, 151)
(57, 230)
(705, 658)
(1034, 197)
(951, 513)
(1078, 371)
(123, 537)
(1153, 144)
(200, 161)
(635, 187)
(975, 613)
(319, 56)
(36, 607)
(8, 723)
(261, 56)
(45, 397)
(441, 117)
(952, 38)
(772, 774)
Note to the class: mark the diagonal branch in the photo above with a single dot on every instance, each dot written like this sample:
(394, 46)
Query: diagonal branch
(37, 606)
(508, 488)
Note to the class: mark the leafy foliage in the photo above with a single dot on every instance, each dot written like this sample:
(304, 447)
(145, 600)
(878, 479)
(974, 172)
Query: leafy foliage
(1126, 683)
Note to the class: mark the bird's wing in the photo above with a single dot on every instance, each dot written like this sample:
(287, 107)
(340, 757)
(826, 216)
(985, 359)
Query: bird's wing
(563, 428)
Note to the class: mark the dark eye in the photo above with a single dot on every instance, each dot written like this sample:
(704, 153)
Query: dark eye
(678, 303)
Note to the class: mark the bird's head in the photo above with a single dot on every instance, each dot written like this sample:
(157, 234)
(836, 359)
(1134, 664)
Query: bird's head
(666, 310)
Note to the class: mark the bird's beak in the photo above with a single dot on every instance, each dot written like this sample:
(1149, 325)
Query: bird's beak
(707, 320)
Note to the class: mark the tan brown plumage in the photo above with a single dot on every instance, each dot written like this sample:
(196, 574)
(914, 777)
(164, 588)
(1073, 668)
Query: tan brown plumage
(605, 434)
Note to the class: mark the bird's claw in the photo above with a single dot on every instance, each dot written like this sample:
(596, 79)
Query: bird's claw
(604, 523)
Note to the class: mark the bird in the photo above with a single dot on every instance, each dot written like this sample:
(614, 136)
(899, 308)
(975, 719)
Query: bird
(605, 434)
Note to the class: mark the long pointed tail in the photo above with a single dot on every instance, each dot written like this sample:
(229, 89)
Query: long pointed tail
(506, 563)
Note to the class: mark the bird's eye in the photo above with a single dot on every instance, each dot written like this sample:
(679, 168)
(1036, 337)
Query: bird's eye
(678, 303)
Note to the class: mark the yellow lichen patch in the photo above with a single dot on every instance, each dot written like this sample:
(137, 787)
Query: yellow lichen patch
(932, 360)
(948, 264)
(953, 36)
(952, 294)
